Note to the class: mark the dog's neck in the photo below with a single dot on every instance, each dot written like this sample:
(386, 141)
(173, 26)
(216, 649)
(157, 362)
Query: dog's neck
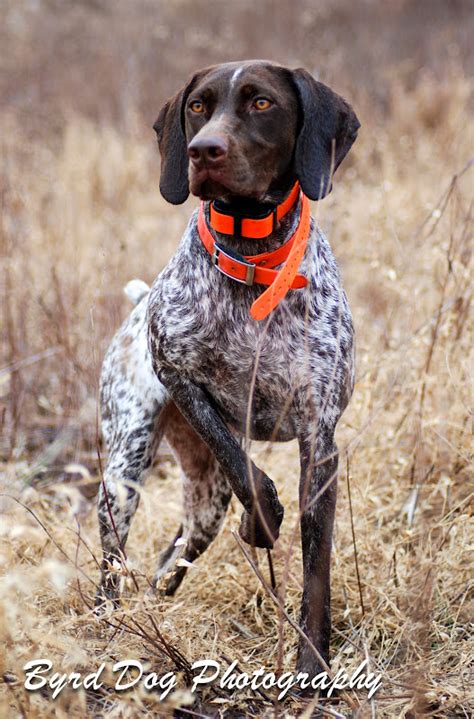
(251, 208)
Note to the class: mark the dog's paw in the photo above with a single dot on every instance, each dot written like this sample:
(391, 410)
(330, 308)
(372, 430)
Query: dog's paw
(167, 584)
(174, 581)
(308, 663)
(260, 531)
(252, 532)
(106, 596)
(260, 527)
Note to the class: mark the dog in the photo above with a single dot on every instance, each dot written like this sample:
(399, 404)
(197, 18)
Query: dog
(246, 333)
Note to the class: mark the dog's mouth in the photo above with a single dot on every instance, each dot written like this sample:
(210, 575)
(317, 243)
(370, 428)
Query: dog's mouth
(215, 184)
(210, 188)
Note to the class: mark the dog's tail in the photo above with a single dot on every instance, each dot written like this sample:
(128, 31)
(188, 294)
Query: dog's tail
(136, 290)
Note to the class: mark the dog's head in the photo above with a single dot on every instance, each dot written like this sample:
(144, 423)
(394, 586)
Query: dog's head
(250, 130)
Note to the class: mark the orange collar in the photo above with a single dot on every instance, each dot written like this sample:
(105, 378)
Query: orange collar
(258, 269)
(255, 228)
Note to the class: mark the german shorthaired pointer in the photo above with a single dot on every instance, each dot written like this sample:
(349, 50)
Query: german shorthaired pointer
(197, 361)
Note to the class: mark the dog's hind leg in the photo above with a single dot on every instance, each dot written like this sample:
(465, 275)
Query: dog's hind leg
(132, 403)
(206, 496)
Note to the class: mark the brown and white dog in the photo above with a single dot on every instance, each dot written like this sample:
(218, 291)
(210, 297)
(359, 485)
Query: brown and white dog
(192, 364)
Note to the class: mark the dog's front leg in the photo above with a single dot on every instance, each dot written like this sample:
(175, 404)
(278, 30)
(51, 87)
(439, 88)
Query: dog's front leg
(263, 511)
(318, 455)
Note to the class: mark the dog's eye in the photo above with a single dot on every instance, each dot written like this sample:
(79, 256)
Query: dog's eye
(261, 103)
(197, 106)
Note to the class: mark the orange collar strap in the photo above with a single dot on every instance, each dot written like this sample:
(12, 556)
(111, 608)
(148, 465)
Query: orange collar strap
(259, 269)
(254, 228)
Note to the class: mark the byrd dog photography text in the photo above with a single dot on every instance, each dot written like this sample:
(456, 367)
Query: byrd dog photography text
(128, 674)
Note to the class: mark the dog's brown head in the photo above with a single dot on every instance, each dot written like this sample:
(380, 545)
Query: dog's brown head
(251, 130)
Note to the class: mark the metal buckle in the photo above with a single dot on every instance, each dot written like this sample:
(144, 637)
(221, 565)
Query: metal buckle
(250, 272)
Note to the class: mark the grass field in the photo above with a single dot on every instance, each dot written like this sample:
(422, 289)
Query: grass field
(81, 215)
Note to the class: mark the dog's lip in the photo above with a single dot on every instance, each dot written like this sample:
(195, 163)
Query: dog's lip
(208, 173)
(220, 178)
(213, 191)
(200, 178)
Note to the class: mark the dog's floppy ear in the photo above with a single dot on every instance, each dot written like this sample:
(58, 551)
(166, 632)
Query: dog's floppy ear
(328, 128)
(169, 127)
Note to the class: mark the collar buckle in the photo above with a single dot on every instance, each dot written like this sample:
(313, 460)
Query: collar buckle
(250, 267)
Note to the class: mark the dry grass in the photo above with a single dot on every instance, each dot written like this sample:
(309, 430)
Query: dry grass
(81, 216)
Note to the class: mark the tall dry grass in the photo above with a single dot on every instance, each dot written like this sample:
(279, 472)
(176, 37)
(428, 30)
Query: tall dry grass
(81, 215)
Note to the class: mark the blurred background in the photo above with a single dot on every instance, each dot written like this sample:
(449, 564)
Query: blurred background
(116, 62)
(81, 83)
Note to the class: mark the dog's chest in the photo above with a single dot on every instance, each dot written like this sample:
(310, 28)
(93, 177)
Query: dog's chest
(203, 329)
(207, 334)
(245, 370)
(200, 325)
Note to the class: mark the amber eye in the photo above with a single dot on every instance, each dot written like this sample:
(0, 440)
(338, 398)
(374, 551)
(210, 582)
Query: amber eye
(261, 103)
(197, 106)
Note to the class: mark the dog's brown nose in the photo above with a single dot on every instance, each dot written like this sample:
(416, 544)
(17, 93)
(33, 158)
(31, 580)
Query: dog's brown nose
(209, 150)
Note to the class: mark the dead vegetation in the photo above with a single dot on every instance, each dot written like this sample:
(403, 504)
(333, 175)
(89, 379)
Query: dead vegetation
(81, 215)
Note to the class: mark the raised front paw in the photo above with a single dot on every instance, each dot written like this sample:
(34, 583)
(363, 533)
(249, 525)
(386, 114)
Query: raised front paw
(261, 528)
